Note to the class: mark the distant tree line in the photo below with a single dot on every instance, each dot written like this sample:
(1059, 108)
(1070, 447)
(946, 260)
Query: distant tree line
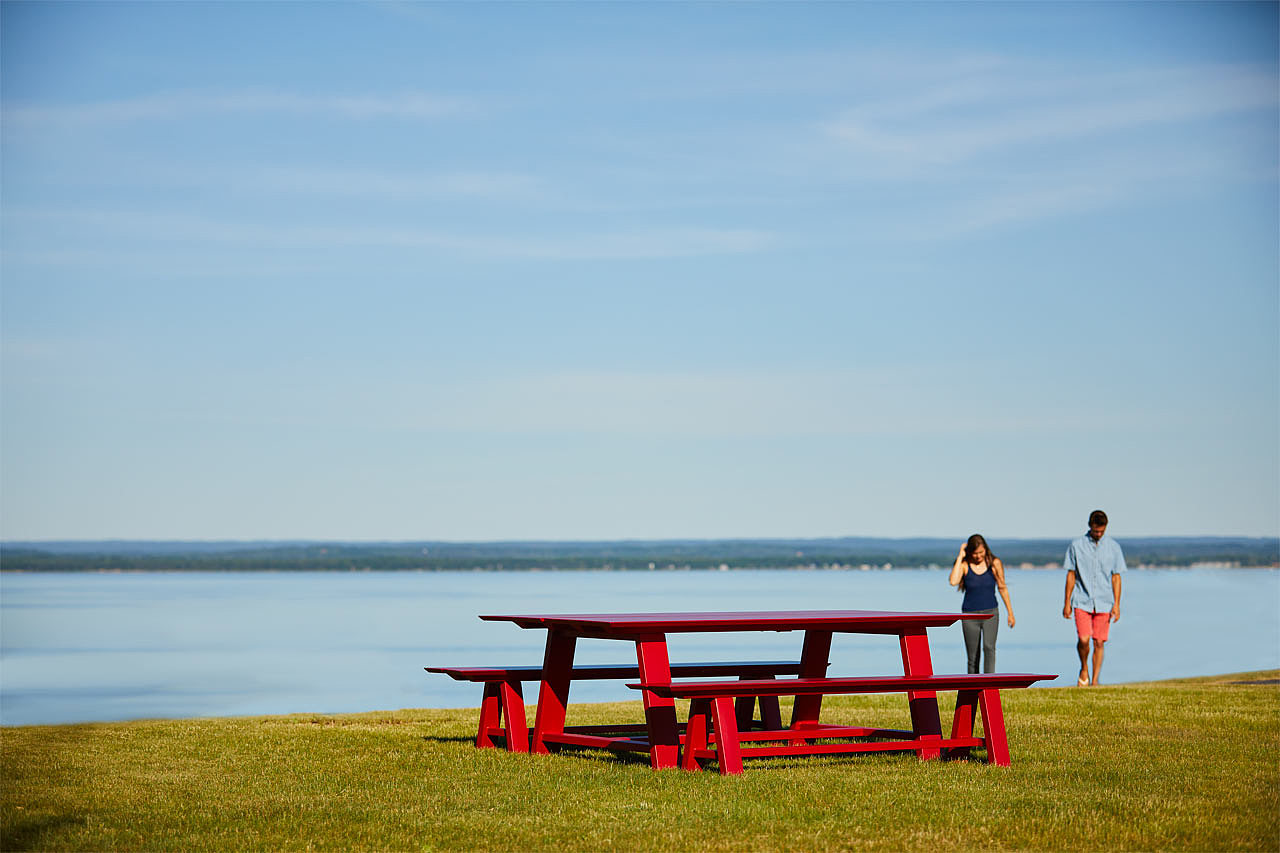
(622, 556)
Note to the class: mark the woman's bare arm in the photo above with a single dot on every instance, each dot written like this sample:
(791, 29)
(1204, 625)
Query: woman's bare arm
(958, 568)
(998, 568)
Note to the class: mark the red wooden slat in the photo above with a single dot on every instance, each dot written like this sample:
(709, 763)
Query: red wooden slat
(605, 624)
(619, 744)
(838, 748)
(858, 684)
(597, 672)
(823, 731)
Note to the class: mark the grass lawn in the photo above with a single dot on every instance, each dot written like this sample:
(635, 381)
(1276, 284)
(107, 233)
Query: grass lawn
(1178, 765)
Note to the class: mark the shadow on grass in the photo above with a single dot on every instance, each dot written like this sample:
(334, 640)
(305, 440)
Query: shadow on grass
(971, 756)
(584, 752)
(31, 833)
(965, 757)
(603, 756)
(623, 757)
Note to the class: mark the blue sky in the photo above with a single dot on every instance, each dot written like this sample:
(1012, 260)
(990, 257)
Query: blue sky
(563, 271)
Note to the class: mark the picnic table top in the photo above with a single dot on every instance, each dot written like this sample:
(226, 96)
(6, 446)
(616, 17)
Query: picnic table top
(890, 621)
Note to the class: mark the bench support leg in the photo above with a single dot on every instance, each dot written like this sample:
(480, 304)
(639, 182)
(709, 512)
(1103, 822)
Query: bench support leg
(728, 746)
(993, 728)
(490, 715)
(962, 722)
(695, 736)
(770, 713)
(513, 712)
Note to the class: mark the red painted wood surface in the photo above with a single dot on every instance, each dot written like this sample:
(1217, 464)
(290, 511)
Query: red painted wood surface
(553, 694)
(712, 716)
(503, 698)
(814, 658)
(629, 624)
(853, 684)
(608, 671)
(648, 631)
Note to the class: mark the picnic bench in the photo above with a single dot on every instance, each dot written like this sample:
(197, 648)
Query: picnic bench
(502, 707)
(712, 717)
(720, 718)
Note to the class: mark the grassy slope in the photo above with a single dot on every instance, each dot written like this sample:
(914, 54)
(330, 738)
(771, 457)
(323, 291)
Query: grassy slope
(1191, 764)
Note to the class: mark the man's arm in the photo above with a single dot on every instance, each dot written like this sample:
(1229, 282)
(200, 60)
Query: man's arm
(1070, 562)
(1115, 580)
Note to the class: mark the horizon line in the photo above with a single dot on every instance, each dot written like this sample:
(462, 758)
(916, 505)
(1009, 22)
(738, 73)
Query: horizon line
(630, 539)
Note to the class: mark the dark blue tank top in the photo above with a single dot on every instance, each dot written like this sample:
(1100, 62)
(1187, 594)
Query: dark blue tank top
(979, 591)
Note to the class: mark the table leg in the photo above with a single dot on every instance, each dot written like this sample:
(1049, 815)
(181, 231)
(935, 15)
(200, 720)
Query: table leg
(925, 720)
(553, 693)
(659, 712)
(814, 659)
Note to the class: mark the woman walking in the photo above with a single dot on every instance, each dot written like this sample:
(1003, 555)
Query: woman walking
(979, 573)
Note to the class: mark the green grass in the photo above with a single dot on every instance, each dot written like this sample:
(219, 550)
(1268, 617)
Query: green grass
(1178, 765)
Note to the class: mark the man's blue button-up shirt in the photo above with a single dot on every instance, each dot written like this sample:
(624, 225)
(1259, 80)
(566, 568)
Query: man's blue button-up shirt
(1094, 563)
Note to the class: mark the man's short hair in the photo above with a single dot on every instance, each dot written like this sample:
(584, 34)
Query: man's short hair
(1097, 518)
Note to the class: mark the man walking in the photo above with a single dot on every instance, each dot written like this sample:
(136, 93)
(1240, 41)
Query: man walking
(1094, 566)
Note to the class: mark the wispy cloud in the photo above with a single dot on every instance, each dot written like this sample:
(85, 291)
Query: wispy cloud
(131, 231)
(156, 107)
(723, 404)
(1014, 142)
(1019, 109)
(1020, 205)
(401, 184)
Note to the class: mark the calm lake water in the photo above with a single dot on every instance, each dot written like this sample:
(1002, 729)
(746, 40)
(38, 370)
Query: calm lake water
(84, 647)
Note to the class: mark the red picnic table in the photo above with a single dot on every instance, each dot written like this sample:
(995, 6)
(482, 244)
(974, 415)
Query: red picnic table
(661, 735)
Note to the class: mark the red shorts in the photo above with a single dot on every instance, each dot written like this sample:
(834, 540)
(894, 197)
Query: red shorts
(1090, 624)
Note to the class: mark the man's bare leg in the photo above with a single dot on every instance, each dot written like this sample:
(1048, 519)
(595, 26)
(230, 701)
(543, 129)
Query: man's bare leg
(1097, 660)
(1082, 649)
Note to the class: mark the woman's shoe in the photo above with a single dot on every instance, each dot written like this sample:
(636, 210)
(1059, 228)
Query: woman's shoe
(1082, 681)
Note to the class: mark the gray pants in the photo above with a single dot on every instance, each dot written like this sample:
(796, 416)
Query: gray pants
(980, 635)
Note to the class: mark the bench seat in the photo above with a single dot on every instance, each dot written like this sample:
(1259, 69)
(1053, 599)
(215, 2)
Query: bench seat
(502, 711)
(712, 716)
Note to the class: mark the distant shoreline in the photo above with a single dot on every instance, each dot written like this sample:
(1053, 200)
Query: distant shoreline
(839, 554)
(363, 570)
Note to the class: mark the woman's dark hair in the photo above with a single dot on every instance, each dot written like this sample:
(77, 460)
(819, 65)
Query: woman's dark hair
(969, 547)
